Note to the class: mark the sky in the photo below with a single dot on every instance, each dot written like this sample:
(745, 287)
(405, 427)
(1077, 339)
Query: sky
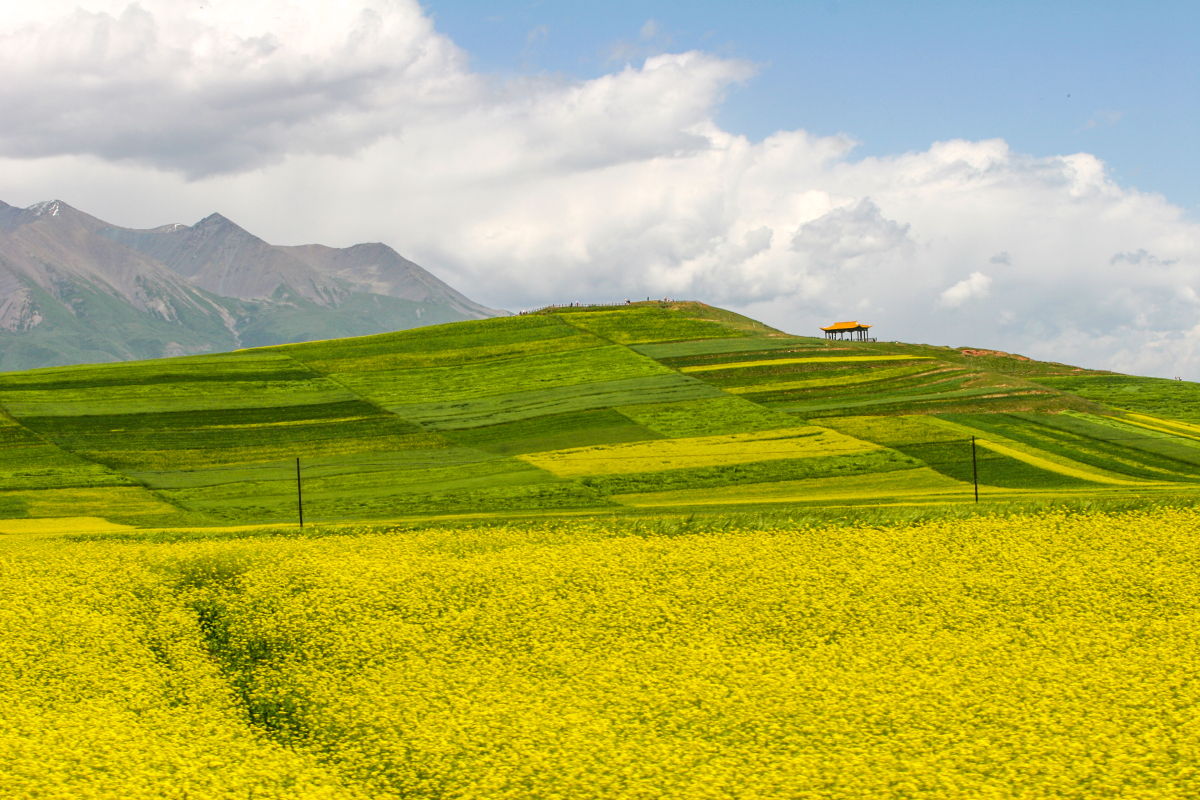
(1020, 176)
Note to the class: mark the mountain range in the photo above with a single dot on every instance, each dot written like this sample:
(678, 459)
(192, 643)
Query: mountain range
(75, 289)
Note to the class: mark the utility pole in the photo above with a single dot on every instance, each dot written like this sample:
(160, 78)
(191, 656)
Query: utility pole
(974, 469)
(299, 495)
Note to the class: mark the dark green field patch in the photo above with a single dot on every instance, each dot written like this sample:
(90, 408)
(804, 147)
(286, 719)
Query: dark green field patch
(557, 432)
(188, 369)
(182, 421)
(1083, 441)
(953, 459)
(343, 491)
(29, 462)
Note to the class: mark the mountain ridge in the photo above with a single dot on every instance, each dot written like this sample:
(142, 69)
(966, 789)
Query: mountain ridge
(76, 289)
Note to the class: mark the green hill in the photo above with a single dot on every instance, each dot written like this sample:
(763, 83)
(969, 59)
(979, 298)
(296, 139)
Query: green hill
(629, 409)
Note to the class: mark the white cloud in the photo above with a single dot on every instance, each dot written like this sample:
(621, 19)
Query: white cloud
(550, 189)
(974, 286)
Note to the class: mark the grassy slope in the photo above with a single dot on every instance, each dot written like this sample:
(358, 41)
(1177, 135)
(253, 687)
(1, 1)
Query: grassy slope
(649, 406)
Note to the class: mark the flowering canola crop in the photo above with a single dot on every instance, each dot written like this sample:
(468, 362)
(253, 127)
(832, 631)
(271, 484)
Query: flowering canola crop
(1028, 656)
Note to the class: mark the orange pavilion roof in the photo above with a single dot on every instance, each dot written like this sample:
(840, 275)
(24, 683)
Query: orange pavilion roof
(846, 326)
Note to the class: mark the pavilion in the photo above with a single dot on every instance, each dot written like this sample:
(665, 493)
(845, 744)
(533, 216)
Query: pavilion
(838, 330)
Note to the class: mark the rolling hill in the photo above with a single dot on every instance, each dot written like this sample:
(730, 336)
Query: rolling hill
(76, 289)
(639, 409)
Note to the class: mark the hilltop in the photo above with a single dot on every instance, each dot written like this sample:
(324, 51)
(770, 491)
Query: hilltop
(632, 409)
(78, 290)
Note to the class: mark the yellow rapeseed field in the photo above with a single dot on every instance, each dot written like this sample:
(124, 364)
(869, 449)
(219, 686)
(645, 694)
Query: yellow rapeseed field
(1051, 656)
(698, 451)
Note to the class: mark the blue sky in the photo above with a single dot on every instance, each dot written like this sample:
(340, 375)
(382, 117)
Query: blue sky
(1118, 80)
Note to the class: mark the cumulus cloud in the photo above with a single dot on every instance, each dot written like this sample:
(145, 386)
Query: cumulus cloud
(346, 123)
(219, 87)
(975, 286)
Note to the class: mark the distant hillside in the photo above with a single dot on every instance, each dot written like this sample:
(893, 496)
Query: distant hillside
(75, 289)
(646, 408)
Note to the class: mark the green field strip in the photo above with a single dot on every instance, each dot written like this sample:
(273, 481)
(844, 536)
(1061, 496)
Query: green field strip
(1160, 428)
(556, 432)
(525, 374)
(368, 430)
(129, 505)
(994, 469)
(1155, 396)
(1044, 433)
(856, 379)
(237, 366)
(671, 387)
(1173, 427)
(185, 458)
(179, 421)
(700, 479)
(494, 484)
(356, 464)
(444, 345)
(898, 402)
(1183, 452)
(897, 389)
(27, 461)
(1042, 459)
(180, 396)
(893, 431)
(703, 451)
(908, 483)
(708, 417)
(684, 350)
(648, 325)
(805, 360)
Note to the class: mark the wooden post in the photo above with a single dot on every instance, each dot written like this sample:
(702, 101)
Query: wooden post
(299, 495)
(974, 469)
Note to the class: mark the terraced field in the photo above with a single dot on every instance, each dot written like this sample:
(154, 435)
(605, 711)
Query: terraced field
(638, 407)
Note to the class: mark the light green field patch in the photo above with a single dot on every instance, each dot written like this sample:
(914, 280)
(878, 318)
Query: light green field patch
(526, 374)
(61, 525)
(121, 504)
(1144, 425)
(703, 451)
(644, 325)
(894, 431)
(722, 346)
(666, 388)
(178, 396)
(1051, 462)
(835, 379)
(1169, 426)
(923, 482)
(709, 417)
(778, 362)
